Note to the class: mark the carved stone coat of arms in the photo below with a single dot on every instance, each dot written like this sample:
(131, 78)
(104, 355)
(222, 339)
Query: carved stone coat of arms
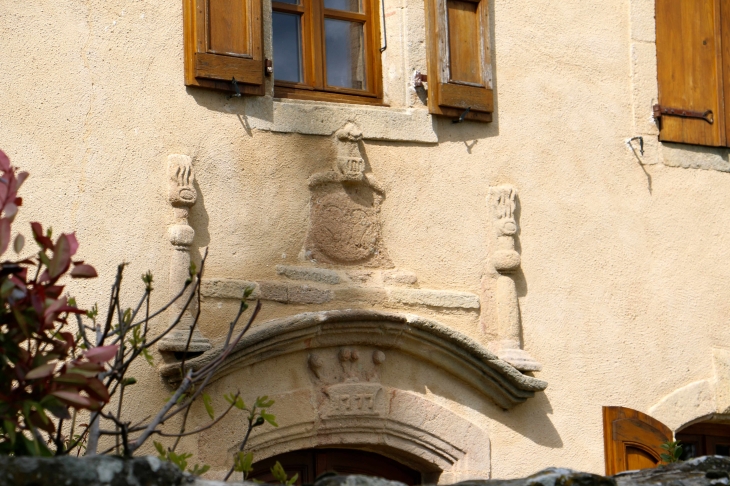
(345, 209)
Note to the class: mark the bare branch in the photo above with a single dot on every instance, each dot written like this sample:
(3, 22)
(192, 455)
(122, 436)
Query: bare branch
(197, 431)
(187, 381)
(240, 449)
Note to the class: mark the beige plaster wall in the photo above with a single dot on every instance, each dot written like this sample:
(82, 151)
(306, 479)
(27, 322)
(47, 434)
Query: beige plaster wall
(623, 289)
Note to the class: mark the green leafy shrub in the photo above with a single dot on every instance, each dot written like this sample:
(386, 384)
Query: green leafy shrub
(48, 374)
(43, 369)
(674, 451)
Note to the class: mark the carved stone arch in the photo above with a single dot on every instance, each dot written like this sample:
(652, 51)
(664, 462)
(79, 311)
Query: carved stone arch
(700, 400)
(362, 379)
(443, 454)
(426, 340)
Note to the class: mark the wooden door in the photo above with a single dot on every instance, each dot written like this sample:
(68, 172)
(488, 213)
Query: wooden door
(632, 440)
(311, 463)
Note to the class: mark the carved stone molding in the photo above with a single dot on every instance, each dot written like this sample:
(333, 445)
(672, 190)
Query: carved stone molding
(182, 196)
(445, 454)
(501, 315)
(345, 209)
(428, 342)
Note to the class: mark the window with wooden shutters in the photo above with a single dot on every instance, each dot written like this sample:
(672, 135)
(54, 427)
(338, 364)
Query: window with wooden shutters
(692, 42)
(224, 41)
(459, 59)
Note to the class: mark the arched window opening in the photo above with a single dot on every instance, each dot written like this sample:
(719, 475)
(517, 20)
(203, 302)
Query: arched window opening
(312, 463)
(705, 439)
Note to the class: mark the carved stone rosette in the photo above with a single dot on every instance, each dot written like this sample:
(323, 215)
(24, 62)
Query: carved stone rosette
(345, 209)
(182, 196)
(498, 285)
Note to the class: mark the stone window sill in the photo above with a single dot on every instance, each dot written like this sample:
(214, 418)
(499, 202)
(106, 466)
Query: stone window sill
(323, 118)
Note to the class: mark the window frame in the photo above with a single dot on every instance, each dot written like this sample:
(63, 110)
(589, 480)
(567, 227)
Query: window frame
(314, 69)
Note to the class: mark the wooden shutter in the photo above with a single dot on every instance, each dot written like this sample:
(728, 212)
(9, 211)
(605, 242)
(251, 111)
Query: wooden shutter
(632, 440)
(459, 58)
(224, 40)
(689, 69)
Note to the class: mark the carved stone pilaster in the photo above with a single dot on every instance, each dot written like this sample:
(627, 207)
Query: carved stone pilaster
(182, 197)
(502, 317)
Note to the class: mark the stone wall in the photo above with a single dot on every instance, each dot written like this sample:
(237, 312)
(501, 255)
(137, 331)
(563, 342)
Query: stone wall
(150, 471)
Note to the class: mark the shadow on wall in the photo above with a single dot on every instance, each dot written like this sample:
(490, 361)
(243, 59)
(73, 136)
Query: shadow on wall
(529, 419)
(199, 221)
(259, 107)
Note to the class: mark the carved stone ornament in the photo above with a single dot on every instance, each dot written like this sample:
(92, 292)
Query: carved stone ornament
(182, 196)
(349, 385)
(498, 286)
(354, 344)
(345, 209)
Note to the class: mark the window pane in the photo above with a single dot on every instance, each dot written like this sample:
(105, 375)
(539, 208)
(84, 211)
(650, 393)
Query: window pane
(287, 47)
(345, 54)
(290, 2)
(349, 5)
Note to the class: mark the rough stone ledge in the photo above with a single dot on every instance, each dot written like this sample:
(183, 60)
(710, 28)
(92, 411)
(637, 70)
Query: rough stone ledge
(295, 293)
(114, 471)
(309, 273)
(321, 118)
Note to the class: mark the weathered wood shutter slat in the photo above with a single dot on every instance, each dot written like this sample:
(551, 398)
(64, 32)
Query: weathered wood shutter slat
(690, 70)
(459, 58)
(224, 40)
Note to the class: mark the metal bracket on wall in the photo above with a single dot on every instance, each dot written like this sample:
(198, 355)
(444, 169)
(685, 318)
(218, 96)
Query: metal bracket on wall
(237, 93)
(418, 79)
(385, 32)
(269, 65)
(641, 143)
(463, 116)
(660, 111)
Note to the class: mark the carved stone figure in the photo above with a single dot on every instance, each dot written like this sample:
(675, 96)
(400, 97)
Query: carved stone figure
(345, 209)
(498, 286)
(182, 196)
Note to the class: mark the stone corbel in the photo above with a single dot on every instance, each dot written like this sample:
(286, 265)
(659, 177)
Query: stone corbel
(498, 285)
(182, 197)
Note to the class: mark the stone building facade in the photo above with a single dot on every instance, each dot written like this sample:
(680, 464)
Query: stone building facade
(462, 298)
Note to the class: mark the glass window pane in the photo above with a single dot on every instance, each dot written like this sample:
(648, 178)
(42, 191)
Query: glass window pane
(287, 46)
(290, 2)
(349, 5)
(345, 48)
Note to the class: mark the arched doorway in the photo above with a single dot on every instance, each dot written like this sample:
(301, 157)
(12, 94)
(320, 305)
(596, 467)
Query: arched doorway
(311, 463)
(705, 439)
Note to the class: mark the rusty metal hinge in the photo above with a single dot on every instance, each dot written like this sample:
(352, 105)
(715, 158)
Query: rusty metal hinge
(418, 79)
(269, 67)
(660, 111)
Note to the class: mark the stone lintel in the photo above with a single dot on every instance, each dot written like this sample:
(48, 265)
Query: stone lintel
(296, 293)
(313, 274)
(321, 118)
